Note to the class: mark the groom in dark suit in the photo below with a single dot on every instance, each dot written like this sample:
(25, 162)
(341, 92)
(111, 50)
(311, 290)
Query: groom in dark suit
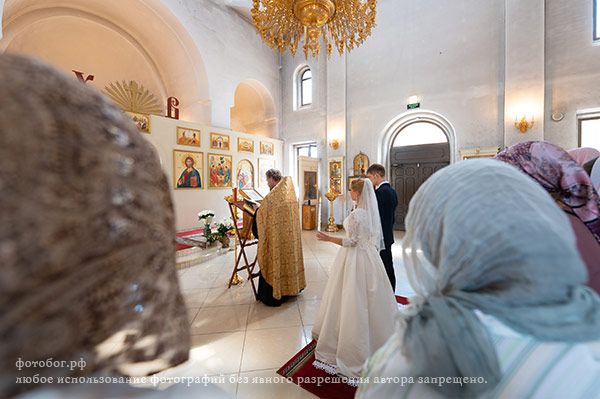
(387, 200)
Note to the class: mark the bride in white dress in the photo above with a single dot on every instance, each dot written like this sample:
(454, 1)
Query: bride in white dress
(357, 313)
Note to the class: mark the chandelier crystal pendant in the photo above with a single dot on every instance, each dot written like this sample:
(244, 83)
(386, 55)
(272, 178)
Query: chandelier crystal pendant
(343, 23)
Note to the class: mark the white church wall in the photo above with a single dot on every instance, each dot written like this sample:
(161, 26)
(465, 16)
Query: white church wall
(572, 67)
(307, 124)
(231, 50)
(449, 54)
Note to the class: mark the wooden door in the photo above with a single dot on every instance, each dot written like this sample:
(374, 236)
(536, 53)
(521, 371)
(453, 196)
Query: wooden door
(410, 167)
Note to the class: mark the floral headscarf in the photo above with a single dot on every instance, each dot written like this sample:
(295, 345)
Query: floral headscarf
(559, 174)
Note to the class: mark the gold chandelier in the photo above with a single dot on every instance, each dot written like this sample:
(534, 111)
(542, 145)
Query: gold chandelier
(282, 23)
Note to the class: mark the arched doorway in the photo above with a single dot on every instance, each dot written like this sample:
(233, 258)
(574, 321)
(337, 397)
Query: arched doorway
(418, 150)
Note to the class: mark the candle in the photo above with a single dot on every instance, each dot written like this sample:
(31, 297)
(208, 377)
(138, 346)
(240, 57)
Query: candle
(319, 215)
(235, 193)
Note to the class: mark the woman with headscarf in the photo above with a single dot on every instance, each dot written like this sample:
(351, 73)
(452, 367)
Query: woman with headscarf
(572, 188)
(358, 308)
(583, 154)
(482, 238)
(88, 283)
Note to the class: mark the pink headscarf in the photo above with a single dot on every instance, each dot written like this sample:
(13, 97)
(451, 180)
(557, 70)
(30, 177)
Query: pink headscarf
(557, 172)
(583, 154)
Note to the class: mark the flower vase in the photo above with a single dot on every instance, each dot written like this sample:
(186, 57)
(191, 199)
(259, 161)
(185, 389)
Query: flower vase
(224, 241)
(206, 228)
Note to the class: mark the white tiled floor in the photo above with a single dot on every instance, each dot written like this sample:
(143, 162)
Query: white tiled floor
(238, 338)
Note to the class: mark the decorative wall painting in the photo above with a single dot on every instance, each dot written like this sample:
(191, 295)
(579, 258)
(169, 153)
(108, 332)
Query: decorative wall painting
(310, 185)
(188, 169)
(219, 141)
(361, 164)
(336, 174)
(219, 171)
(244, 174)
(245, 145)
(263, 166)
(266, 148)
(186, 136)
(335, 184)
(142, 121)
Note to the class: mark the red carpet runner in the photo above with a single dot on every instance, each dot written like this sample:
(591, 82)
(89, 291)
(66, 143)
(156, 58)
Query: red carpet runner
(305, 375)
(187, 233)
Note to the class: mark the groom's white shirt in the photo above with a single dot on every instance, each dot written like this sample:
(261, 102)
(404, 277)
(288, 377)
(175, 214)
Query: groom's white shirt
(383, 182)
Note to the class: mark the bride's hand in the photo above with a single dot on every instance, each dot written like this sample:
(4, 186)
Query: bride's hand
(322, 236)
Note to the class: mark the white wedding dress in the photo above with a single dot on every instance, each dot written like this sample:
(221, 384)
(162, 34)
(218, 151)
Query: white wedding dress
(358, 310)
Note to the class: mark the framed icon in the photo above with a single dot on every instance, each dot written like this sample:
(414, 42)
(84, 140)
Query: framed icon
(142, 121)
(188, 169)
(245, 145)
(266, 148)
(244, 174)
(219, 141)
(219, 171)
(263, 166)
(186, 136)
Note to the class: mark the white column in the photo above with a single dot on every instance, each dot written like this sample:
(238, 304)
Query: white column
(524, 69)
(336, 124)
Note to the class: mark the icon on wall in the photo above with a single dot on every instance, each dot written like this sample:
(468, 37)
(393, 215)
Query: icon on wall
(188, 169)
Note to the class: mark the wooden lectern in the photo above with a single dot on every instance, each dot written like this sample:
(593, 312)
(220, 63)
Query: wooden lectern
(245, 239)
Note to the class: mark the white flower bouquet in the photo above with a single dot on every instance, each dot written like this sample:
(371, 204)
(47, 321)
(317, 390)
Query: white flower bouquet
(205, 215)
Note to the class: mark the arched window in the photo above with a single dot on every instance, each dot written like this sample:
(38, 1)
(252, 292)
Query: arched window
(302, 87)
(420, 133)
(305, 87)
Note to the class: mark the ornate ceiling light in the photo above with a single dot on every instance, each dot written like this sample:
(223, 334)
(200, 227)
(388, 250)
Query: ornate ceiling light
(282, 23)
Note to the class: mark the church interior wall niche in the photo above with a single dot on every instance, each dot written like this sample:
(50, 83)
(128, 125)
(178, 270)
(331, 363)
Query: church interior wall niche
(219, 171)
(187, 136)
(219, 141)
(188, 169)
(245, 174)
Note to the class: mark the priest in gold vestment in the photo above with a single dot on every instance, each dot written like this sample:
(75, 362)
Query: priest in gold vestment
(279, 242)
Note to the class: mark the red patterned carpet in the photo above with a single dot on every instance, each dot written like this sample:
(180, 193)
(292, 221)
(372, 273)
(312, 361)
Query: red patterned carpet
(184, 234)
(302, 372)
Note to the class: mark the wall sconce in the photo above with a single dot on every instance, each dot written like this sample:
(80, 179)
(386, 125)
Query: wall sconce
(523, 125)
(334, 144)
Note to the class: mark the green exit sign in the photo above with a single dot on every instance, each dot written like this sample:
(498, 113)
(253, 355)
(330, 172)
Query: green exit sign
(413, 106)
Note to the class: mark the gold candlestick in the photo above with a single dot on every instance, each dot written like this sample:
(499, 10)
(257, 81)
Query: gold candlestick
(236, 279)
(331, 196)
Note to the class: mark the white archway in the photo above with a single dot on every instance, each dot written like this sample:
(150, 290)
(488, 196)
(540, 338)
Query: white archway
(391, 130)
(254, 110)
(157, 41)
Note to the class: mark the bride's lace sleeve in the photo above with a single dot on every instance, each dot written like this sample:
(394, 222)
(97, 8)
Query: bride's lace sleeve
(356, 221)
